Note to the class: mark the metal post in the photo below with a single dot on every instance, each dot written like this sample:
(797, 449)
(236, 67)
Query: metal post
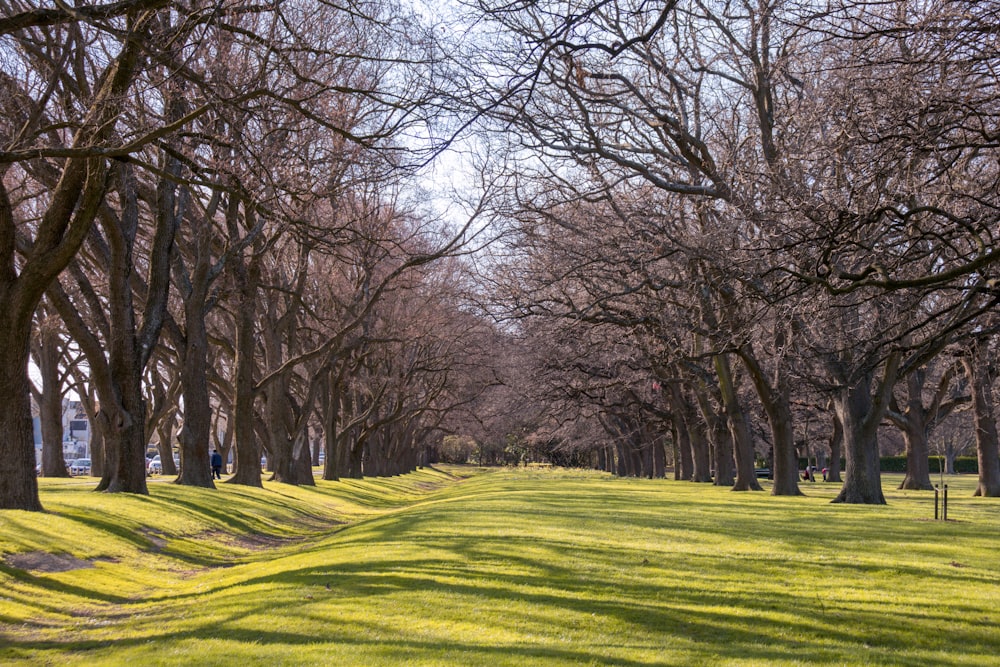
(944, 508)
(936, 492)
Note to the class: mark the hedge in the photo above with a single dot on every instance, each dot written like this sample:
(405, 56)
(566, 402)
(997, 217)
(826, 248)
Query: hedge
(963, 464)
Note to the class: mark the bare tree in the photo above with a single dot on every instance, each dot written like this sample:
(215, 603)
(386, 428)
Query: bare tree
(70, 124)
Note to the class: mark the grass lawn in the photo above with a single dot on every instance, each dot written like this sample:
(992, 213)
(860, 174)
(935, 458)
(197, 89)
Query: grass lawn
(459, 566)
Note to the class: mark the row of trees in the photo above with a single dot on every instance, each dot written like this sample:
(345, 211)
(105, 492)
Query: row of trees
(210, 228)
(796, 198)
(717, 224)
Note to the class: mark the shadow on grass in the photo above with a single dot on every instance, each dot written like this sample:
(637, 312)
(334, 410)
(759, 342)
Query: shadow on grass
(656, 616)
(559, 575)
(547, 591)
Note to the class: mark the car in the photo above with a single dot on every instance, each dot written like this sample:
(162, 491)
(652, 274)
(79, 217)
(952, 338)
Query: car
(79, 467)
(155, 466)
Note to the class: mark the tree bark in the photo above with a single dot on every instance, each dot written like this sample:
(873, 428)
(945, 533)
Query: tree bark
(721, 438)
(775, 399)
(976, 363)
(743, 449)
(165, 443)
(862, 479)
(248, 469)
(918, 469)
(861, 410)
(330, 408)
(125, 430)
(917, 422)
(836, 449)
(50, 403)
(701, 470)
(18, 481)
(195, 436)
(302, 461)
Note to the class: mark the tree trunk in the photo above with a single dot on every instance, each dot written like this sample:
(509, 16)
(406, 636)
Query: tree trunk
(862, 479)
(913, 423)
(679, 411)
(648, 469)
(722, 439)
(124, 449)
(949, 458)
(302, 462)
(701, 458)
(860, 416)
(67, 219)
(50, 403)
(918, 469)
(247, 470)
(165, 443)
(976, 364)
(246, 276)
(659, 459)
(355, 459)
(743, 449)
(775, 399)
(18, 481)
(786, 463)
(638, 460)
(719, 435)
(836, 450)
(97, 458)
(675, 446)
(330, 406)
(195, 435)
(281, 457)
(125, 423)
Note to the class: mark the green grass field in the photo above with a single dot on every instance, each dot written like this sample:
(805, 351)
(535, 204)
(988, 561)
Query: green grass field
(459, 566)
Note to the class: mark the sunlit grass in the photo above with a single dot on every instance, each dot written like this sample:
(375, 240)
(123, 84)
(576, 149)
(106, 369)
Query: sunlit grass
(527, 567)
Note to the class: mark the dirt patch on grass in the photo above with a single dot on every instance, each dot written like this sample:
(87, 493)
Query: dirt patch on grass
(40, 561)
(157, 540)
(263, 542)
(427, 486)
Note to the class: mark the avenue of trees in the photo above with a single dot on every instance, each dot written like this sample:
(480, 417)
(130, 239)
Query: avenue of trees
(696, 234)
(727, 212)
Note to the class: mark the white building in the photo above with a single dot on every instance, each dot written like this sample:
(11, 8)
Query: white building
(76, 431)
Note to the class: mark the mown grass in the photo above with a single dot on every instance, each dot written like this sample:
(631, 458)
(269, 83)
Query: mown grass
(465, 567)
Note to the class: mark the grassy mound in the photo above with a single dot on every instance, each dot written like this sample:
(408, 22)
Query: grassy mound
(463, 567)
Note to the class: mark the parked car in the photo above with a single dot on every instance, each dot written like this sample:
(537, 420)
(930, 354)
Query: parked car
(155, 466)
(79, 467)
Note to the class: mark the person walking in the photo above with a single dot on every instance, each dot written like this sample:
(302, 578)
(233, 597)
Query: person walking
(216, 464)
